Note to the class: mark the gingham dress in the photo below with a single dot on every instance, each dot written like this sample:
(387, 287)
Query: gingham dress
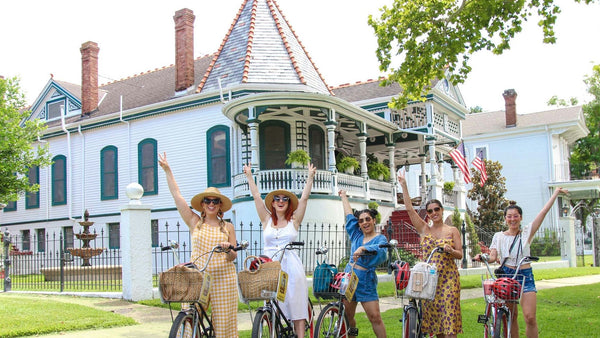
(223, 294)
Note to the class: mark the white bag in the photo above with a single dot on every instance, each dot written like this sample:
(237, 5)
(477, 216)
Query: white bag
(422, 282)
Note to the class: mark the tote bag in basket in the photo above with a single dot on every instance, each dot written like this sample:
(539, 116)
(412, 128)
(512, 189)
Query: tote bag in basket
(264, 278)
(180, 284)
(422, 282)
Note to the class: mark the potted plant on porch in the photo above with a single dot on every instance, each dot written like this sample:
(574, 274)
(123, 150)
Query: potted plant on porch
(378, 171)
(347, 164)
(298, 158)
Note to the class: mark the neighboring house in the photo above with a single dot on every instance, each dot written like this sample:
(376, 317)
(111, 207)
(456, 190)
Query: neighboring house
(254, 100)
(534, 150)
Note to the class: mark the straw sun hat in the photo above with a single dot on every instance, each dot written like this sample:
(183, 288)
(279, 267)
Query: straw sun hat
(293, 198)
(211, 192)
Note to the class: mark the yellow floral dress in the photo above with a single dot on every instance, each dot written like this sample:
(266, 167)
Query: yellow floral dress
(223, 289)
(442, 315)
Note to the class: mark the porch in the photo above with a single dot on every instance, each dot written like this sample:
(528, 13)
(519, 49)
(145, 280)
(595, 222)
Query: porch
(325, 182)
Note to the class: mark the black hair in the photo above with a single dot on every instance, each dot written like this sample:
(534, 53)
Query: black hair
(513, 205)
(434, 201)
(371, 212)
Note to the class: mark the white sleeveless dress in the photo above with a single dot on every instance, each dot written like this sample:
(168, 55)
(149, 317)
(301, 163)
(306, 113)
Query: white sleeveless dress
(295, 306)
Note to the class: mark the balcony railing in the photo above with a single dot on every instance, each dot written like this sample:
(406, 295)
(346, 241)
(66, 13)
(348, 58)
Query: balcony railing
(325, 182)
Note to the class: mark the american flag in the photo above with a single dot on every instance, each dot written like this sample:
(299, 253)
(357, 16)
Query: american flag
(458, 156)
(480, 165)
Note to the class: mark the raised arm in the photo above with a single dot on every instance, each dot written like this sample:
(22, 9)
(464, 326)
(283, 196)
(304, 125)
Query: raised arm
(537, 222)
(416, 220)
(301, 209)
(261, 209)
(345, 203)
(189, 217)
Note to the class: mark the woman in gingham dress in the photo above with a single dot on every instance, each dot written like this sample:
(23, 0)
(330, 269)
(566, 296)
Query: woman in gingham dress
(208, 230)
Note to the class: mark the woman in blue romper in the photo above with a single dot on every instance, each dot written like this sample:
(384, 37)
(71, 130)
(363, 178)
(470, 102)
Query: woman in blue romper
(361, 230)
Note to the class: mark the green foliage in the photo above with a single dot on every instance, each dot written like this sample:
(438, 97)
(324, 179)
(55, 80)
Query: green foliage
(555, 101)
(548, 245)
(476, 109)
(490, 198)
(17, 138)
(377, 169)
(405, 256)
(473, 238)
(375, 205)
(298, 156)
(347, 162)
(448, 187)
(585, 155)
(434, 39)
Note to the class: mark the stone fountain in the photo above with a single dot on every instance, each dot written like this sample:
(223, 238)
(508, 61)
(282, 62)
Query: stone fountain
(86, 252)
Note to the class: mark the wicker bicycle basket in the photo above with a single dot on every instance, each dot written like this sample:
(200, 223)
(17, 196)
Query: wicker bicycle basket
(260, 283)
(180, 284)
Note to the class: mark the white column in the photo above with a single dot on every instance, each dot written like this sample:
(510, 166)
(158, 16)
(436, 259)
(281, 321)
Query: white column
(331, 145)
(567, 247)
(136, 246)
(253, 125)
(362, 142)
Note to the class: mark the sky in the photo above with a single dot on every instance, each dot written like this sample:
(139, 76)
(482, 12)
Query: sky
(41, 37)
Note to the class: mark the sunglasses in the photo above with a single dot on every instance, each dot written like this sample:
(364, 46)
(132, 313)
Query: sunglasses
(366, 219)
(436, 209)
(281, 198)
(214, 201)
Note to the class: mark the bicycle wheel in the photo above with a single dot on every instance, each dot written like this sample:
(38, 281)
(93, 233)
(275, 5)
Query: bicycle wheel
(331, 323)
(183, 326)
(410, 317)
(261, 327)
(501, 323)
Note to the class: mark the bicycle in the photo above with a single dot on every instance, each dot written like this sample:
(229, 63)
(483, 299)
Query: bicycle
(270, 321)
(412, 314)
(332, 321)
(497, 293)
(186, 283)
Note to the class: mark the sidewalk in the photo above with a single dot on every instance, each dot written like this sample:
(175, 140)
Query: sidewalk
(156, 322)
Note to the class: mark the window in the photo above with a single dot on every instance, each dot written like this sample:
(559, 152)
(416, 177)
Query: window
(109, 178)
(69, 238)
(55, 109)
(147, 166)
(316, 146)
(41, 240)
(274, 144)
(59, 180)
(154, 226)
(10, 206)
(32, 199)
(25, 242)
(114, 235)
(219, 172)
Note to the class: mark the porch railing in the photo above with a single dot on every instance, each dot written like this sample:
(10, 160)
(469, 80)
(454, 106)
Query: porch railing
(325, 182)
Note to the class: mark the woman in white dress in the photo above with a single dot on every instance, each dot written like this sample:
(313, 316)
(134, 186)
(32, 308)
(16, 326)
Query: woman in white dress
(281, 215)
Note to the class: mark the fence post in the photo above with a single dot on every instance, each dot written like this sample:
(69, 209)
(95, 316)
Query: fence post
(7, 282)
(136, 246)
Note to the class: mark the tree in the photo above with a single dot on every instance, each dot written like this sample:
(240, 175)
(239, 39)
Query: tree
(585, 155)
(435, 36)
(490, 198)
(17, 137)
(474, 247)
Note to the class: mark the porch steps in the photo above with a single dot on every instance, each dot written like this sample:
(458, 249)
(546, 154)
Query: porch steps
(404, 232)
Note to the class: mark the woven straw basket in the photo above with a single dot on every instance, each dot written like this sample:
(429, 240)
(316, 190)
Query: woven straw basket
(264, 278)
(180, 284)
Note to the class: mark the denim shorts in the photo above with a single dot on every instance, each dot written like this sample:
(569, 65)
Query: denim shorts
(527, 273)
(366, 290)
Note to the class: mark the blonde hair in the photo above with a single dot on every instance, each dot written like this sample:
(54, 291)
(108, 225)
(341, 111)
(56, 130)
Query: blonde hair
(219, 217)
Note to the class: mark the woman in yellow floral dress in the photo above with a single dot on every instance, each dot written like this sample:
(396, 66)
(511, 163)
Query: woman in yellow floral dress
(208, 230)
(441, 316)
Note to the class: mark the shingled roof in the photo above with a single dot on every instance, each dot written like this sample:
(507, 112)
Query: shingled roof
(261, 47)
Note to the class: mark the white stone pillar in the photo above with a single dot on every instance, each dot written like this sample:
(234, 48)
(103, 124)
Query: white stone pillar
(568, 247)
(136, 246)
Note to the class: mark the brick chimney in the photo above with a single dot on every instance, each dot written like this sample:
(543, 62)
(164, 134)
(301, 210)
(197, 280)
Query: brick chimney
(89, 77)
(510, 107)
(184, 49)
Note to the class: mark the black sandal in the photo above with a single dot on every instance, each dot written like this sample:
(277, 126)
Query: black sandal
(353, 331)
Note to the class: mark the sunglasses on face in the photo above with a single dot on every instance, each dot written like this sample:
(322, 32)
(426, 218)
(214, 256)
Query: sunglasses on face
(436, 209)
(214, 201)
(366, 219)
(281, 198)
